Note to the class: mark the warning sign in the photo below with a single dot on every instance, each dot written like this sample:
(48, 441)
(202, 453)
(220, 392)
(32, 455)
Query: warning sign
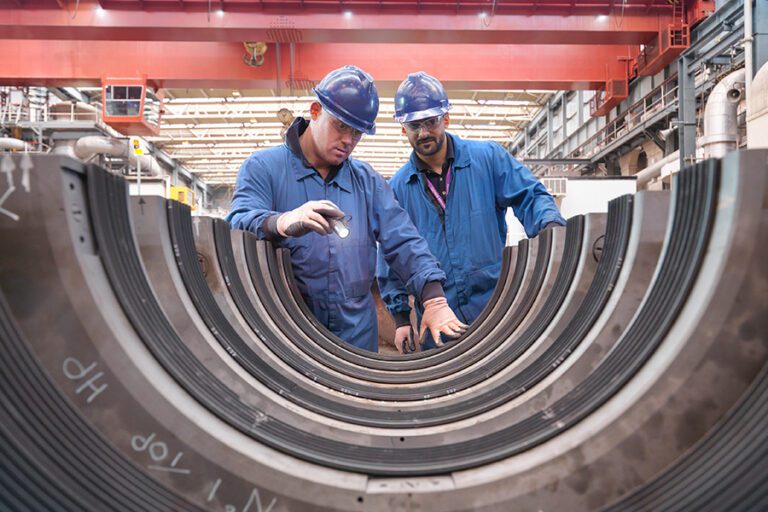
(136, 146)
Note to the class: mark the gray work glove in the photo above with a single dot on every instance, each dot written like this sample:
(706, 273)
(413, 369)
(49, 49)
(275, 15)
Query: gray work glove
(404, 339)
(314, 216)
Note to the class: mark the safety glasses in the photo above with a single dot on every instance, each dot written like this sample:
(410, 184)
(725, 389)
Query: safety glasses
(344, 129)
(428, 124)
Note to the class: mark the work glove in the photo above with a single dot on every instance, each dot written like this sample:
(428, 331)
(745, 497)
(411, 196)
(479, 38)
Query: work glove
(405, 341)
(317, 216)
(439, 318)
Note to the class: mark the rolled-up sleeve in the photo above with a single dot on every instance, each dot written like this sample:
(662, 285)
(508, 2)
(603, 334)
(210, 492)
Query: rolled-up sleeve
(253, 200)
(518, 188)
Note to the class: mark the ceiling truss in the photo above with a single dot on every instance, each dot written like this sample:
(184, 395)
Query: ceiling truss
(212, 132)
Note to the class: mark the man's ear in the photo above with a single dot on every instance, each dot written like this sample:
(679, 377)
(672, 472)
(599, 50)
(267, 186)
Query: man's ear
(314, 110)
(446, 119)
(403, 128)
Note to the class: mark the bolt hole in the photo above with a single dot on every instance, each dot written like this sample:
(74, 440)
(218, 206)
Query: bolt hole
(402, 439)
(359, 499)
(82, 239)
(71, 186)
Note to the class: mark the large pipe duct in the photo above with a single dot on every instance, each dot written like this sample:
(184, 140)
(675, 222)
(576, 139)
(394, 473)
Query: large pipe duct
(646, 175)
(64, 147)
(757, 110)
(87, 147)
(148, 163)
(721, 132)
(11, 143)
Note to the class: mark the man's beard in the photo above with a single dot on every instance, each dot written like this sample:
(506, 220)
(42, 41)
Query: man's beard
(438, 145)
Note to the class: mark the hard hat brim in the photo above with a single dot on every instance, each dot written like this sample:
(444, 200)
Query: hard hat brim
(344, 116)
(422, 114)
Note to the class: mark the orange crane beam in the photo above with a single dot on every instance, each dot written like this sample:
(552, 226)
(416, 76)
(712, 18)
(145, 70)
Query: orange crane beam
(194, 64)
(89, 21)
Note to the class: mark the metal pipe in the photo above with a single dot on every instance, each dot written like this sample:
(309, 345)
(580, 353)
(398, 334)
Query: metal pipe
(148, 163)
(89, 146)
(721, 132)
(748, 39)
(87, 106)
(666, 132)
(645, 176)
(12, 143)
(720, 127)
(64, 147)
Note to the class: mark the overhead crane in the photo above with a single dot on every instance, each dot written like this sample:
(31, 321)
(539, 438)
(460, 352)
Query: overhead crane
(507, 44)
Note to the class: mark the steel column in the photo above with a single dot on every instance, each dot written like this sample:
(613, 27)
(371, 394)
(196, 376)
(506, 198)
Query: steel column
(686, 107)
(760, 35)
(550, 128)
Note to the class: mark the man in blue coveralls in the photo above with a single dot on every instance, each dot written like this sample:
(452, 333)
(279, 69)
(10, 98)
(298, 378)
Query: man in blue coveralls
(295, 193)
(457, 193)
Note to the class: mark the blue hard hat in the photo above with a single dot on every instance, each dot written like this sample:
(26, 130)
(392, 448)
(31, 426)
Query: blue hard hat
(420, 96)
(348, 94)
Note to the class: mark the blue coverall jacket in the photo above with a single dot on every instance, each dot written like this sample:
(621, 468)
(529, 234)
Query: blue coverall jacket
(470, 239)
(335, 275)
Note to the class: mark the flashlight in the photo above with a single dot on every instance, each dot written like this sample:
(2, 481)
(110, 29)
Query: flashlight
(341, 226)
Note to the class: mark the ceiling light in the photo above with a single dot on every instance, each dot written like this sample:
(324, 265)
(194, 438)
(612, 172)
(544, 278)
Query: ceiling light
(220, 12)
(348, 14)
(235, 93)
(100, 12)
(483, 14)
(601, 17)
